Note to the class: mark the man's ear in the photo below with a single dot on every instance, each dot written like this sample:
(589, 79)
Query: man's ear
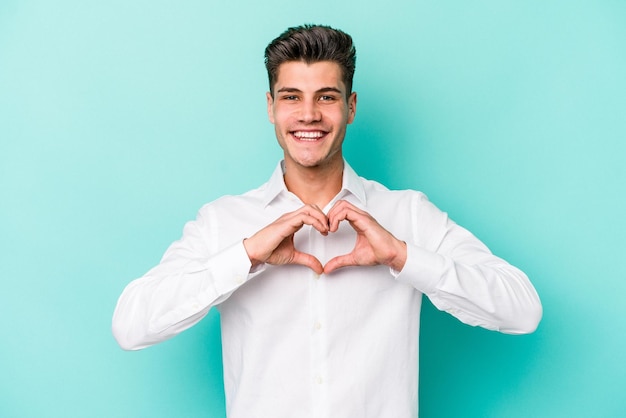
(351, 107)
(270, 106)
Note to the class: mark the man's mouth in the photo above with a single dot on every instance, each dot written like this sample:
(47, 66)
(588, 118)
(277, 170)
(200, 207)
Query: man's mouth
(310, 136)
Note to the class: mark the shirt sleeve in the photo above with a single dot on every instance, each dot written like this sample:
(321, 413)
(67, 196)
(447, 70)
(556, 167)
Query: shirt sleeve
(176, 294)
(462, 277)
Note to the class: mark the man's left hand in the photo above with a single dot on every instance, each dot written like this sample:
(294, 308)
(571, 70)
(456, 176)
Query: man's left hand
(374, 244)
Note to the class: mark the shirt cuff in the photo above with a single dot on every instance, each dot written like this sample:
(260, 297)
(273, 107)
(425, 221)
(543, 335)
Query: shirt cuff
(423, 269)
(230, 268)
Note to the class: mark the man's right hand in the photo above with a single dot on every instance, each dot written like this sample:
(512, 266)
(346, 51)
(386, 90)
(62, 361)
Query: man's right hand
(274, 243)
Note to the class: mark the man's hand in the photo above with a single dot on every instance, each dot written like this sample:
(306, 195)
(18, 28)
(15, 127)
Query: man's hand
(374, 244)
(274, 243)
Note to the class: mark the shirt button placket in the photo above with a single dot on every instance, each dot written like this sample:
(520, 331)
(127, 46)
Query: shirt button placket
(318, 337)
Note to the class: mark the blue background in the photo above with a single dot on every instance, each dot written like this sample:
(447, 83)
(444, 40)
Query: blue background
(119, 119)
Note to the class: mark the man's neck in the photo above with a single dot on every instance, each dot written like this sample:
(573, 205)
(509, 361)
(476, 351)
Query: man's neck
(314, 185)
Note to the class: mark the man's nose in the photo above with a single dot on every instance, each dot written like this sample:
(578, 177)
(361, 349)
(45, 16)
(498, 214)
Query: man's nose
(309, 112)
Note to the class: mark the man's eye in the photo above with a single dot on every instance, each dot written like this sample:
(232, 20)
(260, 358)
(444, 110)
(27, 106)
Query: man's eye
(327, 98)
(290, 97)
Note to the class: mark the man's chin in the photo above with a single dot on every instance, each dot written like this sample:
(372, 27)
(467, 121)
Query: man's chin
(311, 161)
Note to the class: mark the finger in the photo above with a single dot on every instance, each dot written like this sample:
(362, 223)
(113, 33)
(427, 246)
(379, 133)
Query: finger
(347, 212)
(314, 220)
(307, 260)
(312, 210)
(338, 206)
(339, 262)
(321, 217)
(336, 214)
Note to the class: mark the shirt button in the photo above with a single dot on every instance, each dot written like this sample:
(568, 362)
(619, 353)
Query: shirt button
(318, 325)
(316, 276)
(319, 380)
(238, 279)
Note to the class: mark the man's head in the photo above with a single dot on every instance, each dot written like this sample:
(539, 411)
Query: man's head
(310, 44)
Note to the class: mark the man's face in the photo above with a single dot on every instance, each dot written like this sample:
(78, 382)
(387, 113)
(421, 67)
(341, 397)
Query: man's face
(310, 112)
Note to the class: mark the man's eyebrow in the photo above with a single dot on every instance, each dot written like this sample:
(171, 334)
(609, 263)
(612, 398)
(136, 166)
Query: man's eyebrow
(329, 90)
(288, 90)
(296, 90)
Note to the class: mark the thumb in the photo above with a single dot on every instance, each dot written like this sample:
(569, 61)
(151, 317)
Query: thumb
(307, 260)
(338, 262)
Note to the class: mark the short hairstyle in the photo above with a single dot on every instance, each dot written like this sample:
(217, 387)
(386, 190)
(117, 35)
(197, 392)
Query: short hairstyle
(312, 43)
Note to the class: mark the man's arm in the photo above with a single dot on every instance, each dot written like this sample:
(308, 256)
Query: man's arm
(193, 277)
(455, 270)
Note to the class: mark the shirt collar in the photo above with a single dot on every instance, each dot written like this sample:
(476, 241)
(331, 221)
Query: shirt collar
(351, 184)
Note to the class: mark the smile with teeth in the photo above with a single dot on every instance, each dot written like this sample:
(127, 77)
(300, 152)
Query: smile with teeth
(308, 135)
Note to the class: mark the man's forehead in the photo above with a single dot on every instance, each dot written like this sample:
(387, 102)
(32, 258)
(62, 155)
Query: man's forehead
(318, 75)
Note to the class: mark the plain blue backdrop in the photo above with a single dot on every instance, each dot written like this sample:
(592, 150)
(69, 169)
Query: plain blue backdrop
(119, 119)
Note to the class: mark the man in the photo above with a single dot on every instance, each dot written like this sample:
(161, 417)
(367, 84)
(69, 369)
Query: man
(319, 274)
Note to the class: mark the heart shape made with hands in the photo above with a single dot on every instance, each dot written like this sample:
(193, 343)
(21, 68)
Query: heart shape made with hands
(345, 247)
(374, 245)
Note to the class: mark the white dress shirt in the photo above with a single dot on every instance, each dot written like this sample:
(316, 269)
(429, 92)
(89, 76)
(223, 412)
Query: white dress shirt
(343, 345)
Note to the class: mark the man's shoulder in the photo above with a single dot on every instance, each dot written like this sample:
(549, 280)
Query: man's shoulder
(254, 197)
(377, 190)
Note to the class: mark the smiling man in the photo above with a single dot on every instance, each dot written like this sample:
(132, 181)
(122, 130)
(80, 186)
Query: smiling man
(319, 274)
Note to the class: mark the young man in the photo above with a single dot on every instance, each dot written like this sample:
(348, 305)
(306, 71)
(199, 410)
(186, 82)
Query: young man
(319, 274)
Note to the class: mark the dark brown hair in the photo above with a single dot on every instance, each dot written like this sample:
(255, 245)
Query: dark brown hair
(312, 43)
